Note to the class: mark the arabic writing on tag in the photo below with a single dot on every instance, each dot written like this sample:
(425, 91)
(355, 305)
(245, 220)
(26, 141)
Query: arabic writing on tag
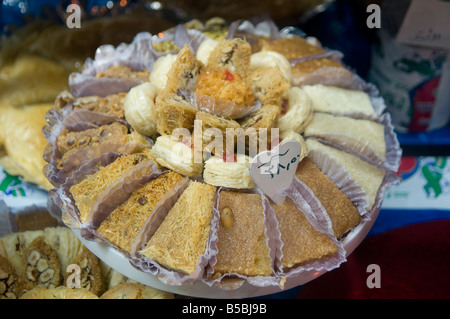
(273, 166)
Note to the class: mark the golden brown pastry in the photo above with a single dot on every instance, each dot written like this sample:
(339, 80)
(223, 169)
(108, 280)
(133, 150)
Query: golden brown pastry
(122, 71)
(90, 272)
(23, 143)
(181, 238)
(269, 85)
(183, 72)
(343, 214)
(173, 112)
(41, 264)
(87, 191)
(12, 284)
(292, 47)
(367, 176)
(125, 222)
(302, 243)
(242, 244)
(232, 54)
(226, 85)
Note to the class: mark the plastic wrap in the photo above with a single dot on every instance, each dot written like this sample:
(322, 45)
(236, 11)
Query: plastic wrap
(138, 55)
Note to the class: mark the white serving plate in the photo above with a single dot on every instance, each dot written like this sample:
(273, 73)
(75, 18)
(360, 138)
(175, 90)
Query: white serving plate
(117, 261)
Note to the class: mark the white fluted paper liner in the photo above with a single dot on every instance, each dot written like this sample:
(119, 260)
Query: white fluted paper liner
(218, 107)
(315, 213)
(148, 265)
(231, 281)
(341, 178)
(361, 147)
(138, 55)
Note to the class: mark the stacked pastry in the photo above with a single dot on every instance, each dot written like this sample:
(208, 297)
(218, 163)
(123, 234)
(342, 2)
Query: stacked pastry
(150, 152)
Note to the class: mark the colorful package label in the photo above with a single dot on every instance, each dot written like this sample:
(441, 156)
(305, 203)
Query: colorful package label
(19, 194)
(425, 184)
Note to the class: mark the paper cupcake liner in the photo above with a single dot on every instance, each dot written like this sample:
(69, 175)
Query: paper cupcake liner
(138, 55)
(61, 203)
(364, 149)
(58, 176)
(231, 281)
(147, 264)
(76, 121)
(315, 213)
(120, 190)
(72, 121)
(340, 177)
(218, 107)
(348, 186)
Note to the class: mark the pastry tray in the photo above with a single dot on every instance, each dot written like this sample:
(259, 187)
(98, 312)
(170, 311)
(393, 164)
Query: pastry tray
(117, 261)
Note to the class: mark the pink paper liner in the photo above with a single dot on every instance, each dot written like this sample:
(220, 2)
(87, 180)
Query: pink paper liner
(218, 107)
(361, 148)
(348, 186)
(75, 121)
(316, 214)
(61, 202)
(166, 201)
(119, 191)
(149, 265)
(273, 237)
(340, 177)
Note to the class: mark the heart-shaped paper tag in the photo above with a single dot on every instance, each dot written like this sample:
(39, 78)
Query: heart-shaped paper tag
(273, 171)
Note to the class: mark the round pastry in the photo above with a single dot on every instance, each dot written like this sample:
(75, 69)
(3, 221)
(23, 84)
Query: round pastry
(210, 109)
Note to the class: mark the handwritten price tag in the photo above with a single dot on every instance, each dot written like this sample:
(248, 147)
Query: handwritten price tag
(273, 171)
(426, 24)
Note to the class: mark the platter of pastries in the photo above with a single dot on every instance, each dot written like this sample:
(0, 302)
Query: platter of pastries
(149, 154)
